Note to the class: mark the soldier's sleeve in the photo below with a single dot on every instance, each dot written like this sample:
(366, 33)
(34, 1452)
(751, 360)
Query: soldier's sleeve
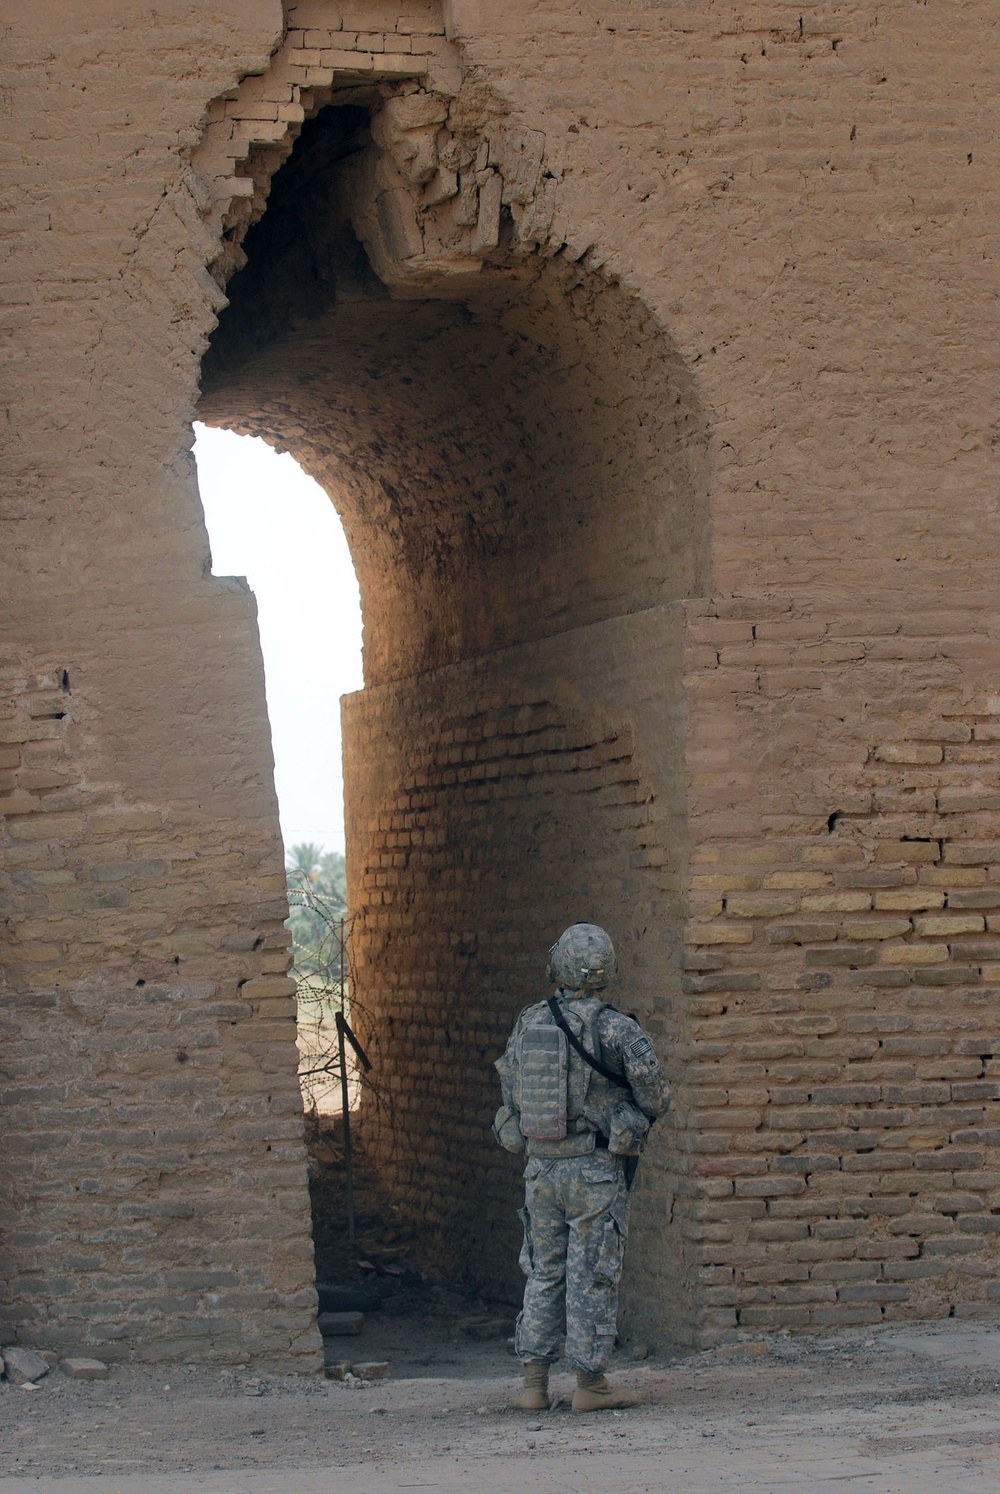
(643, 1069)
(506, 1123)
(505, 1068)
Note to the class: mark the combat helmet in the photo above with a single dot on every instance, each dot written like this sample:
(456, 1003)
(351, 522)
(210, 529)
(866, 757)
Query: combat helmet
(582, 958)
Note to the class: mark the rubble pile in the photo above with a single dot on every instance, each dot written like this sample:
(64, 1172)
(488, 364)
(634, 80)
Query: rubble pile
(25, 1367)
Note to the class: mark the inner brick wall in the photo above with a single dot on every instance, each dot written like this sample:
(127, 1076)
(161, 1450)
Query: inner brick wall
(489, 838)
(475, 830)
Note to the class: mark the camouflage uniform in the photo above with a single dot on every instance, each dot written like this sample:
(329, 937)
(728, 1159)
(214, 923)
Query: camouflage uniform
(576, 1190)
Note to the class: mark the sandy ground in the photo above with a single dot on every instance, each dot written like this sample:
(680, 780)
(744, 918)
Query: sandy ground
(911, 1409)
(895, 1408)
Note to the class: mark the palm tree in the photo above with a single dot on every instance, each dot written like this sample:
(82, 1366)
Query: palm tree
(317, 898)
(306, 858)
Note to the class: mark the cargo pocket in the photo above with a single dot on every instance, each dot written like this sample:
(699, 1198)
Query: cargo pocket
(507, 1131)
(629, 1130)
(526, 1259)
(620, 1210)
(611, 1253)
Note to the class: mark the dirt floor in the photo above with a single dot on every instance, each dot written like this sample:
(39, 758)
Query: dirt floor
(898, 1406)
(876, 1394)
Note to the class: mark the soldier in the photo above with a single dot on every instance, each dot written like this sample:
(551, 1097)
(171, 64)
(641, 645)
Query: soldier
(580, 1084)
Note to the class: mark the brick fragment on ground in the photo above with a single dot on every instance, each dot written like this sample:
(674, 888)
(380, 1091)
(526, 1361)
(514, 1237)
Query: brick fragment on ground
(24, 1366)
(338, 1324)
(373, 1370)
(84, 1369)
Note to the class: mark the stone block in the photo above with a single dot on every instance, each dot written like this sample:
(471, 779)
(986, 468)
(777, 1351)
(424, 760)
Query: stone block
(801, 933)
(876, 928)
(971, 853)
(974, 897)
(726, 980)
(947, 975)
(978, 951)
(844, 1315)
(967, 801)
(880, 1291)
(23, 1366)
(881, 876)
(400, 65)
(718, 933)
(84, 1369)
(909, 899)
(846, 956)
(415, 111)
(941, 925)
(760, 905)
(268, 988)
(797, 880)
(836, 902)
(340, 1324)
(913, 954)
(952, 876)
(909, 852)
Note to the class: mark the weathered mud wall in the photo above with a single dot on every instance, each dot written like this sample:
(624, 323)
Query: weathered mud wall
(791, 221)
(152, 1176)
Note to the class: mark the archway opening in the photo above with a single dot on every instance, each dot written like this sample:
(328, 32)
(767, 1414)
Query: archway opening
(518, 460)
(272, 526)
(269, 523)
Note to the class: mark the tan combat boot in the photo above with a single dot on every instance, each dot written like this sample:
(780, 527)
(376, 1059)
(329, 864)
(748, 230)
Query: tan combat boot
(596, 1393)
(535, 1395)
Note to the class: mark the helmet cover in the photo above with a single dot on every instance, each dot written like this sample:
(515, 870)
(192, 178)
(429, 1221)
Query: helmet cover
(582, 958)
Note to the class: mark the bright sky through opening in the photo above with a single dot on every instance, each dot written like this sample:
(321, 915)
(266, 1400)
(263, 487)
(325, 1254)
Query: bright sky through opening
(271, 523)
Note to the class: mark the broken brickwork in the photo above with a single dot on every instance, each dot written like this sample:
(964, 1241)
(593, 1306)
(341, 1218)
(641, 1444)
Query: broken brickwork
(647, 355)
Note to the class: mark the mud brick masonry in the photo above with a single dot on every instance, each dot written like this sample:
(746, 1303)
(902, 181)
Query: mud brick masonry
(649, 353)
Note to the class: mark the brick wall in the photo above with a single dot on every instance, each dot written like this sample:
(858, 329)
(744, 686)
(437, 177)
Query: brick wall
(151, 1194)
(840, 1083)
(487, 810)
(153, 1199)
(778, 233)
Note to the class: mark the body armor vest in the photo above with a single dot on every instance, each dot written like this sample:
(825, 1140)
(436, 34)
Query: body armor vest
(553, 1085)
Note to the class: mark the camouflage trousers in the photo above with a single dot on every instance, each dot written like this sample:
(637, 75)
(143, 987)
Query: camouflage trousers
(575, 1219)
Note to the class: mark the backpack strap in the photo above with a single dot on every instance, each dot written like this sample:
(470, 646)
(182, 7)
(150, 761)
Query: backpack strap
(578, 1047)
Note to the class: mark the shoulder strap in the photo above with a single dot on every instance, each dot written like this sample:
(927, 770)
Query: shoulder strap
(578, 1047)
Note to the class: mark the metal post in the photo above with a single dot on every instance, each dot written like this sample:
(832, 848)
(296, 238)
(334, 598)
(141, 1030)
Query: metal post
(344, 1098)
(345, 1104)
